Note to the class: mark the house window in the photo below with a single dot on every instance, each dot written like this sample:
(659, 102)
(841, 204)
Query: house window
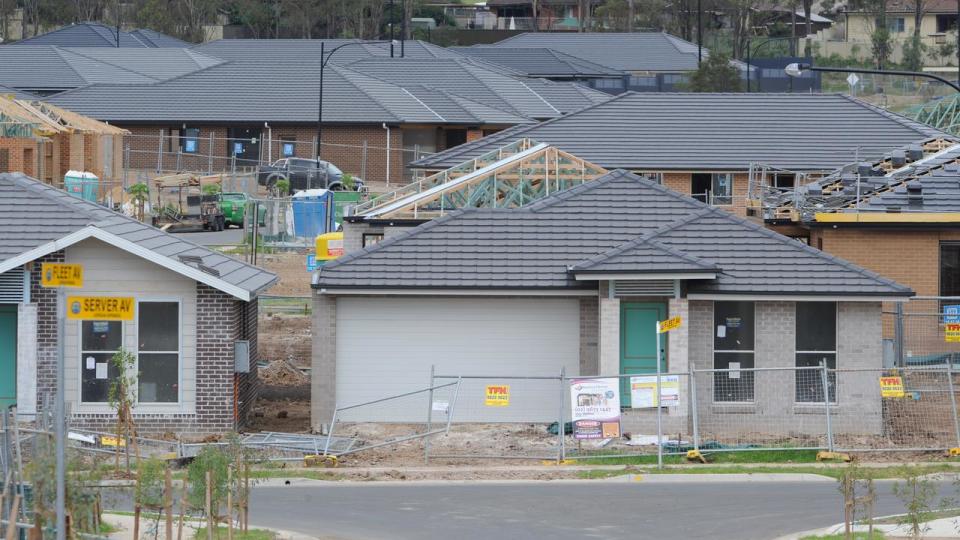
(733, 339)
(190, 140)
(816, 340)
(946, 23)
(950, 269)
(99, 341)
(371, 239)
(715, 188)
(288, 147)
(158, 359)
(608, 84)
(674, 78)
(640, 81)
(894, 24)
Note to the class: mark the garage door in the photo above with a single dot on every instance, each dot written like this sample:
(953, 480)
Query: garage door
(385, 346)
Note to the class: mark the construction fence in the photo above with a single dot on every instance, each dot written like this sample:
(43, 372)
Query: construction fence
(909, 408)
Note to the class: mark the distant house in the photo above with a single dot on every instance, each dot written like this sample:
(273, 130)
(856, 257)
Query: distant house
(90, 34)
(193, 308)
(939, 18)
(553, 15)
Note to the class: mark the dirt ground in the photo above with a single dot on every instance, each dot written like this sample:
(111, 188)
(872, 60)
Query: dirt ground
(285, 416)
(285, 337)
(291, 268)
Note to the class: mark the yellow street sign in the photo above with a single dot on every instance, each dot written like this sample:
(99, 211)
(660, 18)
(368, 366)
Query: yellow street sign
(670, 324)
(100, 308)
(61, 275)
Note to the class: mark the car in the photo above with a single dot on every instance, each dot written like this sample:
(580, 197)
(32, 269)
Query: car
(305, 174)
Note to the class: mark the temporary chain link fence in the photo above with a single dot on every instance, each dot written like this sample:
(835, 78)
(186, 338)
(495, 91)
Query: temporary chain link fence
(904, 408)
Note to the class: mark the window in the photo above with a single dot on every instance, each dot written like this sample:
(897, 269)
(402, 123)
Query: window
(773, 73)
(715, 188)
(99, 340)
(733, 339)
(371, 239)
(784, 180)
(643, 82)
(158, 350)
(816, 341)
(190, 140)
(288, 147)
(946, 23)
(894, 24)
(652, 176)
(950, 269)
(670, 78)
(608, 84)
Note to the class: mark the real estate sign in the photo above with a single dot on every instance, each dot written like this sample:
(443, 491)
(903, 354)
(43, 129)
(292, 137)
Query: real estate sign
(643, 391)
(497, 395)
(951, 332)
(891, 387)
(596, 408)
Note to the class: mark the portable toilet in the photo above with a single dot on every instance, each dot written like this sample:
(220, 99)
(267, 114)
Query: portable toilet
(312, 212)
(329, 246)
(83, 185)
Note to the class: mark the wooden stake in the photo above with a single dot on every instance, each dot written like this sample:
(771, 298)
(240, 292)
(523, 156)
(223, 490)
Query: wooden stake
(229, 503)
(136, 522)
(168, 501)
(208, 504)
(12, 518)
(183, 509)
(246, 496)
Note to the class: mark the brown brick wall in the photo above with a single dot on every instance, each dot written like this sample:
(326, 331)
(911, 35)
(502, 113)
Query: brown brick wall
(682, 183)
(18, 151)
(46, 301)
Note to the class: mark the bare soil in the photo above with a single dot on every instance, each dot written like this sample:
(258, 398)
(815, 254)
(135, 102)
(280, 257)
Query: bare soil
(285, 337)
(282, 416)
(291, 268)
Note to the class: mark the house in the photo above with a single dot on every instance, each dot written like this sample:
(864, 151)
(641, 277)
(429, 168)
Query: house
(576, 282)
(542, 16)
(704, 144)
(544, 63)
(91, 34)
(193, 309)
(240, 113)
(46, 142)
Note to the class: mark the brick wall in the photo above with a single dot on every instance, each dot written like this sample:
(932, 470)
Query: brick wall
(46, 301)
(218, 325)
(248, 383)
(682, 183)
(16, 151)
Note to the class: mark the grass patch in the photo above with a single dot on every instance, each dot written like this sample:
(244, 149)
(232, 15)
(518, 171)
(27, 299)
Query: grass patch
(262, 474)
(221, 532)
(926, 516)
(879, 473)
(754, 456)
(857, 536)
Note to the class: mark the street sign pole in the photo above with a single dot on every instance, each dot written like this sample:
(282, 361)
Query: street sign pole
(659, 410)
(60, 415)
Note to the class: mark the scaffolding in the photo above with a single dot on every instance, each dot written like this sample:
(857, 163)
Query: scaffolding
(512, 176)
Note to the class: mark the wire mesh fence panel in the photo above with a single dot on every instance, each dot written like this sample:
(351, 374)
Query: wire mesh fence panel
(503, 417)
(923, 331)
(399, 421)
(738, 409)
(911, 408)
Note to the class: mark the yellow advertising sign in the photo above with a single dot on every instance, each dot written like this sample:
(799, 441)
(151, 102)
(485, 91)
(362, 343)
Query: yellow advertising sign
(891, 387)
(61, 275)
(107, 440)
(670, 324)
(100, 308)
(951, 332)
(497, 395)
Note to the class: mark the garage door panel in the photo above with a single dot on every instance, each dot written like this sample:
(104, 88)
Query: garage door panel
(385, 346)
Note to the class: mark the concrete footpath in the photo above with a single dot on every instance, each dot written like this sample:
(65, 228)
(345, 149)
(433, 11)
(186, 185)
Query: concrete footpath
(124, 524)
(931, 530)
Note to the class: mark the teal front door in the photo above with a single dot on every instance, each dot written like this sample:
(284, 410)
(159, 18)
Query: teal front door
(8, 355)
(638, 342)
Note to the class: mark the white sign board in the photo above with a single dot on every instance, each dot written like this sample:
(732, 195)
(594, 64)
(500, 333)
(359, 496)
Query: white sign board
(852, 79)
(643, 394)
(596, 408)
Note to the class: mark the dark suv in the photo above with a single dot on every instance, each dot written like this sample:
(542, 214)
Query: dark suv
(305, 174)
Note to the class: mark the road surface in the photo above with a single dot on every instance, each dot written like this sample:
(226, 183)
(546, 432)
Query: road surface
(554, 510)
(204, 238)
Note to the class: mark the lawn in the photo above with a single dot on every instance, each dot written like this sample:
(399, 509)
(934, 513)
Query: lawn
(251, 534)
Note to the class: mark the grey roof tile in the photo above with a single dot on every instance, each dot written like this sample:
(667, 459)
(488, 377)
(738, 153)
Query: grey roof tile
(539, 61)
(53, 214)
(619, 222)
(687, 131)
(90, 34)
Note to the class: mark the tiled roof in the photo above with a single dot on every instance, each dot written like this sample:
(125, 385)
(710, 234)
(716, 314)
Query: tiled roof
(725, 132)
(308, 50)
(619, 222)
(99, 35)
(539, 61)
(33, 214)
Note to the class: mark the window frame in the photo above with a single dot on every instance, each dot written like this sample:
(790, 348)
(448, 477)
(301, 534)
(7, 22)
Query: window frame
(159, 300)
(721, 200)
(752, 351)
(940, 268)
(184, 137)
(835, 352)
(81, 360)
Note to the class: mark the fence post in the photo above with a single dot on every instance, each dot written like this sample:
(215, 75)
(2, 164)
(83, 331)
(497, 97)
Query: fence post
(315, 154)
(210, 156)
(693, 409)
(426, 440)
(363, 161)
(898, 335)
(160, 152)
(561, 429)
(953, 400)
(826, 403)
(659, 407)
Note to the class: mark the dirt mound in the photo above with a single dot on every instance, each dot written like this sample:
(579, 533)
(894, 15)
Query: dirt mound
(282, 373)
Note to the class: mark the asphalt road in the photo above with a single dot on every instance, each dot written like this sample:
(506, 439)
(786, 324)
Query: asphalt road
(484, 511)
(228, 236)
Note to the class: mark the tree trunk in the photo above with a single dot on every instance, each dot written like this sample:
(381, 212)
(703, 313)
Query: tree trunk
(793, 28)
(631, 14)
(807, 13)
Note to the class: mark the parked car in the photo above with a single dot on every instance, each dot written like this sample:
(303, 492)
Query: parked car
(234, 206)
(305, 174)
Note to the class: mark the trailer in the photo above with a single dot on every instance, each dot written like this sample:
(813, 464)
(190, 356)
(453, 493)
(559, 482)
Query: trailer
(182, 203)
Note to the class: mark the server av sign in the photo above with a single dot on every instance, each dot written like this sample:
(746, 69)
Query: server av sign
(100, 308)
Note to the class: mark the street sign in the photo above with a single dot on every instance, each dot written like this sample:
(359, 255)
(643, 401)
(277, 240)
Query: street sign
(852, 79)
(951, 314)
(61, 275)
(100, 308)
(311, 263)
(670, 324)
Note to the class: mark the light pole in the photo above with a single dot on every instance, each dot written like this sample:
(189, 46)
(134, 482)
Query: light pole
(324, 58)
(796, 70)
(749, 55)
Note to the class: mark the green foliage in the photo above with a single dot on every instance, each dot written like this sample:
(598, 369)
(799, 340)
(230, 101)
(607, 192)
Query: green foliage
(214, 460)
(349, 182)
(913, 52)
(283, 187)
(81, 491)
(211, 189)
(123, 385)
(918, 492)
(139, 192)
(881, 45)
(150, 480)
(715, 74)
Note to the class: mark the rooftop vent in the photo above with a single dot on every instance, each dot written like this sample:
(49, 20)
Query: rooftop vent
(898, 158)
(914, 152)
(208, 270)
(192, 259)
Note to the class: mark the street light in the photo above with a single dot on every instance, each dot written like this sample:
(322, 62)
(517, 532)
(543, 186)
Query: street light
(797, 69)
(324, 58)
(751, 50)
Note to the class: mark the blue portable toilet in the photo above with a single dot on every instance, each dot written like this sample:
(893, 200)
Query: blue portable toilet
(312, 212)
(83, 185)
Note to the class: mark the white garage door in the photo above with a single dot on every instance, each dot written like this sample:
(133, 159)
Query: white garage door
(385, 346)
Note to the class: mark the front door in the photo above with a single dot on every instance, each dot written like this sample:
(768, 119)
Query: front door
(8, 355)
(638, 342)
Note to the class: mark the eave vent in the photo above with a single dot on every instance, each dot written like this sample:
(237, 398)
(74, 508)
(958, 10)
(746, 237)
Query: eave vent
(637, 287)
(11, 286)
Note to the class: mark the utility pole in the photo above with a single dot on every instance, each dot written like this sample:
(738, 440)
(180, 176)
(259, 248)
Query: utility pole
(392, 13)
(699, 33)
(403, 26)
(630, 15)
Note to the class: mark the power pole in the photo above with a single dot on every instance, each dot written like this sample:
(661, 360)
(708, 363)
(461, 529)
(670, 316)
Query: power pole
(392, 13)
(699, 33)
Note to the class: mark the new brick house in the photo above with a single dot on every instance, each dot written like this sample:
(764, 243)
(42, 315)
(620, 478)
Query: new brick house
(193, 309)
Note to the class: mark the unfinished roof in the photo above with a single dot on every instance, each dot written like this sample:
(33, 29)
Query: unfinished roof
(90, 34)
(308, 50)
(57, 220)
(620, 220)
(539, 62)
(623, 51)
(42, 119)
(279, 92)
(720, 132)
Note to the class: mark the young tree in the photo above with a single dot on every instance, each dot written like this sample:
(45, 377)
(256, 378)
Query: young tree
(913, 51)
(880, 38)
(716, 74)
